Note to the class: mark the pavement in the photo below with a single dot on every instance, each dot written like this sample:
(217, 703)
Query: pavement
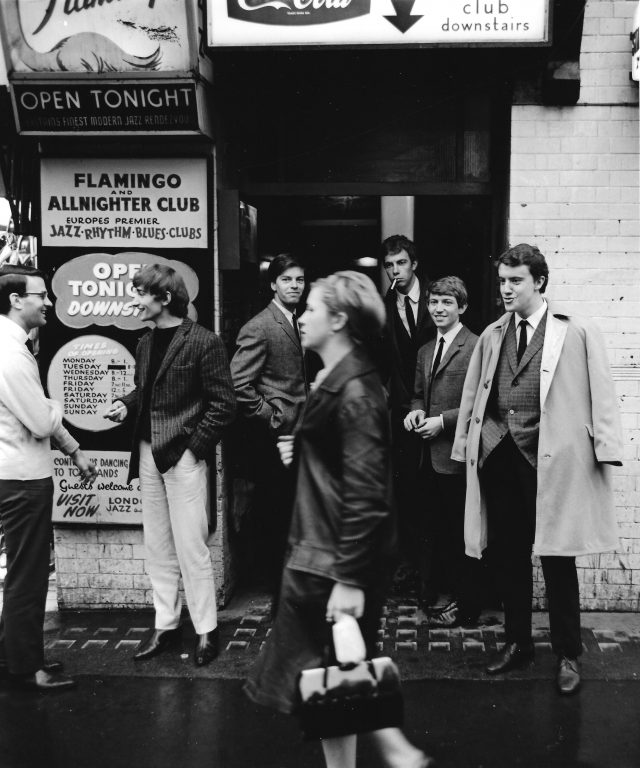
(166, 713)
(102, 642)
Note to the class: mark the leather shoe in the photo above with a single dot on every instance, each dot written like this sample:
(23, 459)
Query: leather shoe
(207, 647)
(512, 656)
(43, 681)
(568, 678)
(160, 641)
(52, 666)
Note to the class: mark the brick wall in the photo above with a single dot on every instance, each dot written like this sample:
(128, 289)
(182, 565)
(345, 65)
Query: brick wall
(575, 193)
(105, 568)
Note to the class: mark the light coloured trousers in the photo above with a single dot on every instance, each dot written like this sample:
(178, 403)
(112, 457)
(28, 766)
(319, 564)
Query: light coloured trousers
(174, 519)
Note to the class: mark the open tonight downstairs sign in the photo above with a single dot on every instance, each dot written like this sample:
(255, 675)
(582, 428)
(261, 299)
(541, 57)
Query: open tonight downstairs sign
(378, 22)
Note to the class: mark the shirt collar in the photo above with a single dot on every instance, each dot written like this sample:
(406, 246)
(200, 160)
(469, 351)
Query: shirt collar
(449, 336)
(12, 329)
(535, 318)
(414, 293)
(286, 312)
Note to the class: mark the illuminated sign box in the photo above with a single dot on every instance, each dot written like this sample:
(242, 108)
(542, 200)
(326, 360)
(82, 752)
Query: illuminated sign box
(106, 107)
(124, 202)
(238, 23)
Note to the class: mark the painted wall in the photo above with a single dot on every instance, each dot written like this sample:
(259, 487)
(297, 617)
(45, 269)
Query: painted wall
(575, 192)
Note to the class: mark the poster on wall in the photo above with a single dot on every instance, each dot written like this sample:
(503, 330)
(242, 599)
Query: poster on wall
(110, 500)
(103, 37)
(86, 375)
(377, 22)
(142, 203)
(97, 289)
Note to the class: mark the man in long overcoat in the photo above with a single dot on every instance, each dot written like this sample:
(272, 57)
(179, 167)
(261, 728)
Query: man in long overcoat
(538, 428)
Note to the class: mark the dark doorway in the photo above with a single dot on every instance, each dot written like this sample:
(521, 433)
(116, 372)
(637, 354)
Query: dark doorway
(334, 232)
(453, 237)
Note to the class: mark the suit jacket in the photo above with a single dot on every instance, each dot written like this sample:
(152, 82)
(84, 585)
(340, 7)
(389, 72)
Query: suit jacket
(268, 371)
(580, 435)
(446, 391)
(401, 352)
(192, 400)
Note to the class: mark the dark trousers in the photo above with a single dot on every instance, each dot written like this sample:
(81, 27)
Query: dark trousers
(25, 514)
(405, 458)
(267, 527)
(444, 561)
(509, 484)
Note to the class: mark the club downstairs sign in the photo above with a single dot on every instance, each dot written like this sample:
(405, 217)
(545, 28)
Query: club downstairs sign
(378, 22)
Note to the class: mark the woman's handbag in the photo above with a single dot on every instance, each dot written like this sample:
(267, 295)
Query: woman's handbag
(348, 699)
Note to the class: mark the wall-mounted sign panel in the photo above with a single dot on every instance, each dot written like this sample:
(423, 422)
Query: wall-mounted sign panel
(97, 289)
(48, 107)
(140, 203)
(635, 45)
(377, 22)
(86, 375)
(94, 36)
(109, 501)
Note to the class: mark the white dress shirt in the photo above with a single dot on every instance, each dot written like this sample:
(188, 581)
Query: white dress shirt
(533, 321)
(414, 296)
(27, 418)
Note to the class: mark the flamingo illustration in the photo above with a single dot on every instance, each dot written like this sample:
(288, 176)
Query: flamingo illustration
(87, 51)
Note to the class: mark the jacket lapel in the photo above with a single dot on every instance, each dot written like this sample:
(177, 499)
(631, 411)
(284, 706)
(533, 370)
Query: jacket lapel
(284, 324)
(554, 337)
(511, 348)
(176, 343)
(145, 356)
(500, 330)
(422, 309)
(455, 347)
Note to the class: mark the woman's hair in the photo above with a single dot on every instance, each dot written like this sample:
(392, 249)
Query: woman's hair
(158, 280)
(356, 295)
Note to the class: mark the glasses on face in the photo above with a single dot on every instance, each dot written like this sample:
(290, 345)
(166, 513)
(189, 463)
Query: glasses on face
(42, 294)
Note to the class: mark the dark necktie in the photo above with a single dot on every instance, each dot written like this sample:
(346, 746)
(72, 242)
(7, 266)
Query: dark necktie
(434, 369)
(522, 340)
(411, 321)
(29, 345)
(294, 320)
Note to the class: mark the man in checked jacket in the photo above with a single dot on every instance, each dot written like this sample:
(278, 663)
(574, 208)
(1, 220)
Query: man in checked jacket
(183, 400)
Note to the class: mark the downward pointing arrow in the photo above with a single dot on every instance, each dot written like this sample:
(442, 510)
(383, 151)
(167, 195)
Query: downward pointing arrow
(403, 20)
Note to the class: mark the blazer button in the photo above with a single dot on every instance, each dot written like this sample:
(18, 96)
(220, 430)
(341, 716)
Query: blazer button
(516, 382)
(511, 411)
(472, 462)
(477, 419)
(486, 385)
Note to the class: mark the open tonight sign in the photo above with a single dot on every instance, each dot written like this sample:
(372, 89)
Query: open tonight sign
(378, 22)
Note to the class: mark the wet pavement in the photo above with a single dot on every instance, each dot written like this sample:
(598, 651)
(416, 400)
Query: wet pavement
(166, 712)
(116, 722)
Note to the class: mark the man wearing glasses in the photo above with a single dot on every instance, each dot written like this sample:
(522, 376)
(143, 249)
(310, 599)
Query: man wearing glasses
(28, 420)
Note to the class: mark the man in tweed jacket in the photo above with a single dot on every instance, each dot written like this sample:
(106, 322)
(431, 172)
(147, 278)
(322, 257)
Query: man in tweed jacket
(182, 402)
(270, 378)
